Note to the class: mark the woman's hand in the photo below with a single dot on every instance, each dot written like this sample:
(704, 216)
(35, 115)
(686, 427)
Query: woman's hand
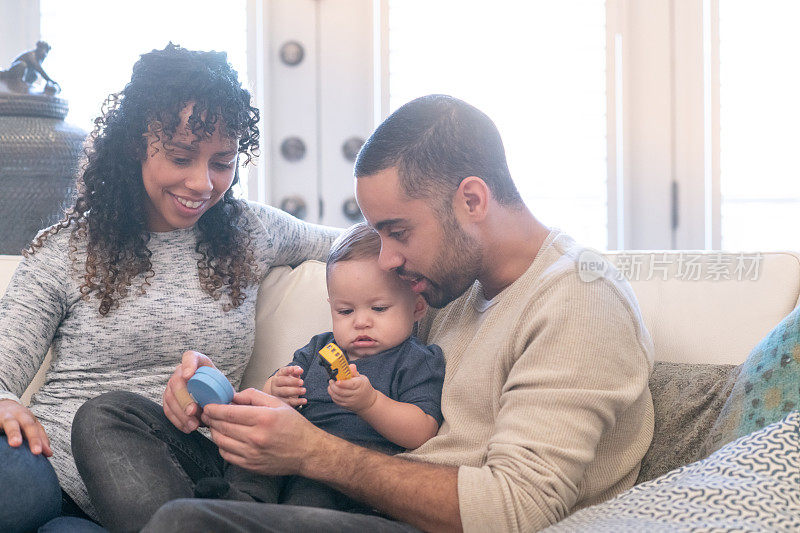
(355, 394)
(17, 421)
(179, 407)
(287, 385)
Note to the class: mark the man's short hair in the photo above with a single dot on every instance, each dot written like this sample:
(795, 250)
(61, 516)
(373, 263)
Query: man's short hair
(359, 241)
(435, 142)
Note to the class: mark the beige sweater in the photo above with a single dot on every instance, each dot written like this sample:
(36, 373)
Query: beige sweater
(546, 405)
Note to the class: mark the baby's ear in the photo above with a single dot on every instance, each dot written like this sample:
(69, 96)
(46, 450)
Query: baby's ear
(420, 307)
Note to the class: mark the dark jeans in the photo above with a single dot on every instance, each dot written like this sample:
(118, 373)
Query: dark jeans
(29, 489)
(288, 490)
(193, 516)
(71, 524)
(133, 461)
(30, 496)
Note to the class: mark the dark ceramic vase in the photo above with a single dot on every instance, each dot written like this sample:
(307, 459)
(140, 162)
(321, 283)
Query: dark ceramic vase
(39, 156)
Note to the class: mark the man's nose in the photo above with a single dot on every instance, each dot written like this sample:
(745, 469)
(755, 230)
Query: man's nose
(388, 259)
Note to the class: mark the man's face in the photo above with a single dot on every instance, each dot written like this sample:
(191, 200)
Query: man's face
(429, 250)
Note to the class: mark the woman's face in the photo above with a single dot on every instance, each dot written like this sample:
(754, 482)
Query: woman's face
(185, 177)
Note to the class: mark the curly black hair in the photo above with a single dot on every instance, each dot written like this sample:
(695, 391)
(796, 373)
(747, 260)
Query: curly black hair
(109, 210)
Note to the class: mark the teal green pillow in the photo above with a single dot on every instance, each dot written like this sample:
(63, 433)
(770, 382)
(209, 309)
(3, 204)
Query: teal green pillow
(767, 389)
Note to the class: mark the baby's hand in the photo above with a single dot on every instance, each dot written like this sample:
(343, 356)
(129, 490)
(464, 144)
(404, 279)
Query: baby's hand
(355, 394)
(287, 385)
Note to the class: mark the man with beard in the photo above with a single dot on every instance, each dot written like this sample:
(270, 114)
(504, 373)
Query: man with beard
(545, 402)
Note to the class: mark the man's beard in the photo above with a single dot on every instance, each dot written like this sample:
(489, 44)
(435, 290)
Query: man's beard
(456, 267)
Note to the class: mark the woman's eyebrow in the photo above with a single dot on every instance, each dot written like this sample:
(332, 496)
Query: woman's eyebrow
(192, 148)
(183, 146)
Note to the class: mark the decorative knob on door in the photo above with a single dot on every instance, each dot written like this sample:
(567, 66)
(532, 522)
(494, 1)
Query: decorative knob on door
(350, 148)
(293, 149)
(295, 206)
(351, 210)
(291, 53)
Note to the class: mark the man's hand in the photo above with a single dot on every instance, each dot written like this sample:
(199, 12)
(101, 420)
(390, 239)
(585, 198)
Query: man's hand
(179, 407)
(287, 385)
(17, 421)
(263, 434)
(355, 394)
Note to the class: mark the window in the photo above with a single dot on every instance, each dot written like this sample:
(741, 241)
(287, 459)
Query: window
(95, 43)
(538, 70)
(665, 124)
(759, 117)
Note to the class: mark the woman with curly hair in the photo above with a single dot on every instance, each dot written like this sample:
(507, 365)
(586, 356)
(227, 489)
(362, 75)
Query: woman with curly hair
(156, 257)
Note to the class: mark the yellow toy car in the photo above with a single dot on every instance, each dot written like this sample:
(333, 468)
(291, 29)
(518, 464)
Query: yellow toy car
(334, 361)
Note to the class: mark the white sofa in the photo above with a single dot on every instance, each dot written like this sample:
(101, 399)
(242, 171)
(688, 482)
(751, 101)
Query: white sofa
(699, 308)
(693, 312)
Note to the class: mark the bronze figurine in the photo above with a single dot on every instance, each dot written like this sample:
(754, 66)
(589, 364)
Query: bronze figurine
(25, 69)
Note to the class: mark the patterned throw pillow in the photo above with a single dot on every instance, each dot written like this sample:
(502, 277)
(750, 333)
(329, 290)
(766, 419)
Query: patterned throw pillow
(767, 388)
(687, 400)
(752, 484)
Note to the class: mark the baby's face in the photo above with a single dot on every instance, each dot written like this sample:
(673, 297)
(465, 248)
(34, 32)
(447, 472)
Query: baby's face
(372, 310)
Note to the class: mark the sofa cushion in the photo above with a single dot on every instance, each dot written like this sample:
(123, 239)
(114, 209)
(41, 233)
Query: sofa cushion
(687, 399)
(710, 307)
(749, 485)
(292, 307)
(767, 388)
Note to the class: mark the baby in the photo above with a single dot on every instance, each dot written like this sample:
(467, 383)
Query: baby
(391, 403)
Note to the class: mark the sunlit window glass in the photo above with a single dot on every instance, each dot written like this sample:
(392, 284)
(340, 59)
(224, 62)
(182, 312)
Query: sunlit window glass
(538, 70)
(759, 117)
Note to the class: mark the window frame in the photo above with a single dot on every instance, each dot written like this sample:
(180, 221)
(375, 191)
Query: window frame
(670, 96)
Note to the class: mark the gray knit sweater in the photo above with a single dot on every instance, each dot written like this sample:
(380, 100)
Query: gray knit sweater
(137, 345)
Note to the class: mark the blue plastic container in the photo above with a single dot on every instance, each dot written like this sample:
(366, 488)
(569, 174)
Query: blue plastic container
(209, 385)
